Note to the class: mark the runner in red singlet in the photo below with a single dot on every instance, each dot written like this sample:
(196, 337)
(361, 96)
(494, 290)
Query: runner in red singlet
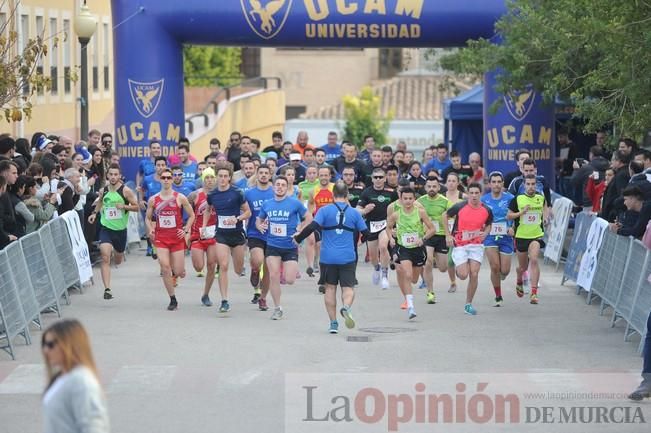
(169, 235)
(204, 247)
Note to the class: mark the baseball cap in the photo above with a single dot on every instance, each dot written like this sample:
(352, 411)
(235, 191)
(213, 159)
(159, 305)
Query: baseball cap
(42, 142)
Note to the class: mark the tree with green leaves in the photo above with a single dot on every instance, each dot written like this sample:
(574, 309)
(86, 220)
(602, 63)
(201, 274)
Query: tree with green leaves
(211, 66)
(592, 53)
(363, 117)
(20, 77)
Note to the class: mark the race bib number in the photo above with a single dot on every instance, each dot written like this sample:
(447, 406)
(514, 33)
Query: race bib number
(208, 232)
(498, 229)
(531, 219)
(222, 222)
(467, 235)
(279, 230)
(437, 226)
(377, 226)
(167, 221)
(410, 240)
(113, 213)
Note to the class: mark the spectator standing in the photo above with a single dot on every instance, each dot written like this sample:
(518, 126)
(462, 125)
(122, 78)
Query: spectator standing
(233, 150)
(635, 225)
(43, 210)
(73, 400)
(614, 189)
(6, 236)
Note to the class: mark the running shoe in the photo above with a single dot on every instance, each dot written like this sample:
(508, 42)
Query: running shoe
(262, 305)
(321, 289)
(225, 307)
(431, 298)
(453, 288)
(149, 251)
(412, 313)
(498, 301)
(255, 279)
(310, 271)
(205, 300)
(277, 314)
(403, 306)
(519, 290)
(533, 298)
(423, 284)
(377, 274)
(201, 274)
(256, 298)
(469, 309)
(385, 283)
(154, 256)
(108, 294)
(642, 392)
(334, 327)
(173, 305)
(347, 315)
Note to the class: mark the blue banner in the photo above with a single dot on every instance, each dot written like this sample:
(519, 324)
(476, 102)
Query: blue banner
(522, 122)
(149, 34)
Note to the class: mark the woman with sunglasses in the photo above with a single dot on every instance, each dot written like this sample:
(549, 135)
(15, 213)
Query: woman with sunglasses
(73, 400)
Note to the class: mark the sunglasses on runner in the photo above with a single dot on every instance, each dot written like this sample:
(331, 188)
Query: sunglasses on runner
(378, 177)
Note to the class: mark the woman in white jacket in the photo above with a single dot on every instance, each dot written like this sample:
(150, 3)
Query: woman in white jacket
(74, 401)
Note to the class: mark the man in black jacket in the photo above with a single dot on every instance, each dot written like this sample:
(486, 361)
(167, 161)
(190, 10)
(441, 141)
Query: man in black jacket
(8, 226)
(614, 189)
(640, 211)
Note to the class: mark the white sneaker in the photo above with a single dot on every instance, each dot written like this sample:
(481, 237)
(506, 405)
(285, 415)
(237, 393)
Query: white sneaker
(412, 313)
(385, 283)
(525, 282)
(377, 274)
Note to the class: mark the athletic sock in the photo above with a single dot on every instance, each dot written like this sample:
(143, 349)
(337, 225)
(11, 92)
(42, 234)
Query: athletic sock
(377, 267)
(498, 291)
(347, 307)
(534, 290)
(107, 290)
(385, 272)
(410, 301)
(173, 298)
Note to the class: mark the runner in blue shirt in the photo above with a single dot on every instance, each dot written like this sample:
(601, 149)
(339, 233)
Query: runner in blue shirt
(257, 241)
(279, 218)
(147, 167)
(231, 209)
(332, 149)
(499, 243)
(339, 224)
(149, 187)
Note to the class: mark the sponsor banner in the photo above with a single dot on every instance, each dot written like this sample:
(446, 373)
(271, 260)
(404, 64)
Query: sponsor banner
(562, 210)
(79, 246)
(521, 122)
(588, 266)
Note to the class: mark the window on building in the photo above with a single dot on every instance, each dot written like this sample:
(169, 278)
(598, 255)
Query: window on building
(23, 40)
(293, 111)
(106, 36)
(250, 66)
(54, 56)
(390, 63)
(95, 62)
(40, 28)
(66, 56)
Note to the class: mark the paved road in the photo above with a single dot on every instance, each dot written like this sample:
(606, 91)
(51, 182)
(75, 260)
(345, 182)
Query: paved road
(195, 370)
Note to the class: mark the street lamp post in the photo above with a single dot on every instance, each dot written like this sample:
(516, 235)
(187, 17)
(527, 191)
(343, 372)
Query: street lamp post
(85, 25)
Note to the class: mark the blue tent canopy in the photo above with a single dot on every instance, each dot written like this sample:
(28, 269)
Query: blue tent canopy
(463, 120)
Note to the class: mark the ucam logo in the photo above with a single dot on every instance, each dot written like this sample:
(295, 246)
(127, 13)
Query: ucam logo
(519, 103)
(146, 95)
(267, 19)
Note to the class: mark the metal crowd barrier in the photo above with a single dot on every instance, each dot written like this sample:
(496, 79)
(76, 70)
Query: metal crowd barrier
(622, 279)
(35, 273)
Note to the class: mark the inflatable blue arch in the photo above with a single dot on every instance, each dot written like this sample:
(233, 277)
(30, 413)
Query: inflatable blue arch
(149, 35)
